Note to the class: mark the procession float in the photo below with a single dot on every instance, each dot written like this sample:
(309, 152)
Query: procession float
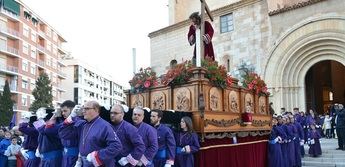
(233, 121)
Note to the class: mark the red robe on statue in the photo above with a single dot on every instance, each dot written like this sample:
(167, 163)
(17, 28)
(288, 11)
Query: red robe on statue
(207, 38)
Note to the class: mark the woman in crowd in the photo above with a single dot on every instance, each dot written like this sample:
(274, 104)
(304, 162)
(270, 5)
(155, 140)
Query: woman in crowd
(187, 143)
(275, 156)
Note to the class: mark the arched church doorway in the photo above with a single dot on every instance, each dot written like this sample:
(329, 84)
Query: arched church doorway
(325, 85)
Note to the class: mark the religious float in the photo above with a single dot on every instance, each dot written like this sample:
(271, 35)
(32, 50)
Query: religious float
(233, 121)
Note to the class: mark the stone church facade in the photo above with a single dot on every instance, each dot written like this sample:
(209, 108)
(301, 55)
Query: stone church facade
(283, 39)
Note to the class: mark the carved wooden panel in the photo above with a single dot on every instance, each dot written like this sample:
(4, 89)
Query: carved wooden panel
(234, 101)
(248, 103)
(215, 99)
(182, 99)
(262, 105)
(158, 101)
(137, 100)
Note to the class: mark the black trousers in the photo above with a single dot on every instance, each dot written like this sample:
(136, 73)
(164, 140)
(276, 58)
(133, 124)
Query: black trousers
(341, 137)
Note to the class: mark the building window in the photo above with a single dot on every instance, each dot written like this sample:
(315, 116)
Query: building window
(33, 70)
(49, 61)
(49, 45)
(49, 32)
(24, 101)
(226, 23)
(54, 49)
(25, 48)
(32, 86)
(26, 31)
(24, 84)
(33, 36)
(76, 74)
(25, 65)
(33, 52)
(54, 36)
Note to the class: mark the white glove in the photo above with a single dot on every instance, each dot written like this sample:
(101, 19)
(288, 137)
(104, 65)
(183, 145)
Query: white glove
(78, 163)
(37, 153)
(187, 148)
(75, 111)
(91, 157)
(123, 161)
(25, 155)
(24, 120)
(140, 163)
(167, 165)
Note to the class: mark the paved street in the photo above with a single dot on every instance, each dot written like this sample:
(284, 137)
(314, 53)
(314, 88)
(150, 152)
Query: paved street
(329, 158)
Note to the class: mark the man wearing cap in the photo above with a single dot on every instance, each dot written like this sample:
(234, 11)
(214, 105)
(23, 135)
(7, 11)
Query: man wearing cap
(340, 126)
(98, 143)
(149, 136)
(133, 145)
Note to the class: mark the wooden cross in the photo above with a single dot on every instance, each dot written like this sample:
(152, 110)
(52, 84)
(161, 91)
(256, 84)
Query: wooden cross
(200, 51)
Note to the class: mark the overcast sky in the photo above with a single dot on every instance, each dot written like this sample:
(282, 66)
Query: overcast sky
(102, 33)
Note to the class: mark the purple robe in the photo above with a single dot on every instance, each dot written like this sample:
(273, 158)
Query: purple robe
(49, 146)
(30, 143)
(70, 148)
(96, 135)
(166, 146)
(315, 148)
(299, 135)
(292, 131)
(149, 136)
(133, 146)
(275, 155)
(285, 145)
(183, 139)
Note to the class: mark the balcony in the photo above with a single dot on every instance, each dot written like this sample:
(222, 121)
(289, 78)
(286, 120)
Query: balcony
(41, 63)
(8, 14)
(9, 50)
(13, 88)
(62, 74)
(42, 34)
(62, 51)
(41, 49)
(59, 88)
(9, 32)
(8, 69)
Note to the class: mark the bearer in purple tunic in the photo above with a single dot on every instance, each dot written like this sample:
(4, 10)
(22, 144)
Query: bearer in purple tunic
(166, 141)
(275, 156)
(49, 143)
(30, 143)
(298, 141)
(291, 133)
(70, 153)
(98, 143)
(133, 146)
(187, 143)
(149, 136)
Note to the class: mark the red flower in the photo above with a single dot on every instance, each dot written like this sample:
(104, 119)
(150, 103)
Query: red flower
(147, 84)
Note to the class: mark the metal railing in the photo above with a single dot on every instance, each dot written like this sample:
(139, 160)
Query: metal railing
(5, 67)
(62, 74)
(9, 49)
(10, 31)
(41, 63)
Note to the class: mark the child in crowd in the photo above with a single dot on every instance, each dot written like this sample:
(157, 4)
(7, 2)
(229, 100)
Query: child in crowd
(3, 147)
(314, 142)
(12, 151)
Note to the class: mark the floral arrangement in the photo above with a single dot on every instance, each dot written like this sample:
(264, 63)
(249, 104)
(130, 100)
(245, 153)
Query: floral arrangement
(178, 74)
(253, 82)
(143, 80)
(217, 74)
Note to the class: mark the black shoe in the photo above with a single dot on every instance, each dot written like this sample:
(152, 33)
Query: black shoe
(339, 149)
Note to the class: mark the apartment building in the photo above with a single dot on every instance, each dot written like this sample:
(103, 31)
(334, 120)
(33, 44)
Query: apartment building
(84, 83)
(28, 47)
